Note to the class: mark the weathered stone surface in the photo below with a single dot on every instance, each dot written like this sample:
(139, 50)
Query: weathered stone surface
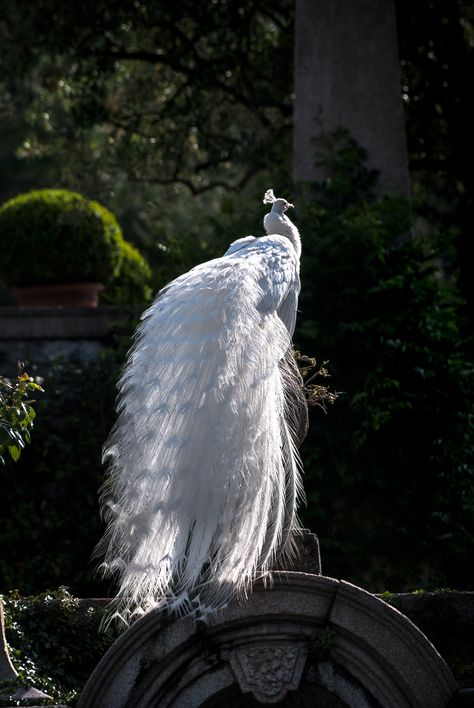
(27, 696)
(58, 322)
(44, 333)
(447, 618)
(412, 679)
(298, 639)
(307, 558)
(347, 74)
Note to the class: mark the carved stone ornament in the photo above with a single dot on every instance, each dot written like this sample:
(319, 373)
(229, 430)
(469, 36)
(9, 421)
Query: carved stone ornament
(268, 671)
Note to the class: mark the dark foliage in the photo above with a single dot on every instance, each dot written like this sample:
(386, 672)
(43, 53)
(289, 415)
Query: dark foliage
(199, 95)
(187, 93)
(54, 641)
(162, 99)
(50, 523)
(390, 471)
(435, 45)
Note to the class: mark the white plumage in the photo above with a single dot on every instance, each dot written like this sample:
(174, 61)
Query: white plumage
(203, 470)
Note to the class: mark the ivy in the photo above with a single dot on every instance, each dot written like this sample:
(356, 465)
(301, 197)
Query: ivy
(54, 642)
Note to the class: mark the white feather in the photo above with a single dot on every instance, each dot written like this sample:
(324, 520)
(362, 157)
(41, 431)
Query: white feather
(269, 197)
(203, 470)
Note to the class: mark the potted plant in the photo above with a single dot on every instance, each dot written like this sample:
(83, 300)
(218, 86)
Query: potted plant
(58, 248)
(132, 286)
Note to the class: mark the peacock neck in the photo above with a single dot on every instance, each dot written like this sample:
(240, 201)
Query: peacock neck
(288, 229)
(278, 223)
(294, 236)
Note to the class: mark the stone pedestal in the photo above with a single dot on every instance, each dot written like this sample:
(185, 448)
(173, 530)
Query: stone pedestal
(299, 639)
(307, 556)
(347, 74)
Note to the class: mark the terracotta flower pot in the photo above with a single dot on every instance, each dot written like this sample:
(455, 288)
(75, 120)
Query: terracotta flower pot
(61, 295)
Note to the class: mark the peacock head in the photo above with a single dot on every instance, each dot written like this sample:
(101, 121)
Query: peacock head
(279, 205)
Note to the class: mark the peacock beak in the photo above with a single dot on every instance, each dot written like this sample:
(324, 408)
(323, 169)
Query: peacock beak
(290, 205)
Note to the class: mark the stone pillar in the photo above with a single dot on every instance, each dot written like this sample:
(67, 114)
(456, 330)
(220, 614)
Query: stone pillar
(347, 74)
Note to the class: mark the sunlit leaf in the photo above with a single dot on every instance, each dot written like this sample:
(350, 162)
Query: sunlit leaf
(14, 451)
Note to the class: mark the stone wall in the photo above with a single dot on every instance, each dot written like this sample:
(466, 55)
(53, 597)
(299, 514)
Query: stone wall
(44, 333)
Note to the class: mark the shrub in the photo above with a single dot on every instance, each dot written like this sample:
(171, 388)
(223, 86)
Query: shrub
(390, 471)
(54, 641)
(132, 284)
(57, 236)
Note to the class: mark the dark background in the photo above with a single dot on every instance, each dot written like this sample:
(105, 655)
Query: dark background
(178, 117)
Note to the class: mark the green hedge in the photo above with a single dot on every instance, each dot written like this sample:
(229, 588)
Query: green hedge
(57, 236)
(132, 284)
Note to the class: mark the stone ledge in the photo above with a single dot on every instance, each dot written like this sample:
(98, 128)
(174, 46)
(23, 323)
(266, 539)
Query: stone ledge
(46, 323)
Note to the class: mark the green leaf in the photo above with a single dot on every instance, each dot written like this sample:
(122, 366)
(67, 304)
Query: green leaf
(15, 452)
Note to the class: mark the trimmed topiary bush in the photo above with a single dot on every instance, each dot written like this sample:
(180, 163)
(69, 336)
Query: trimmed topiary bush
(57, 236)
(132, 284)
